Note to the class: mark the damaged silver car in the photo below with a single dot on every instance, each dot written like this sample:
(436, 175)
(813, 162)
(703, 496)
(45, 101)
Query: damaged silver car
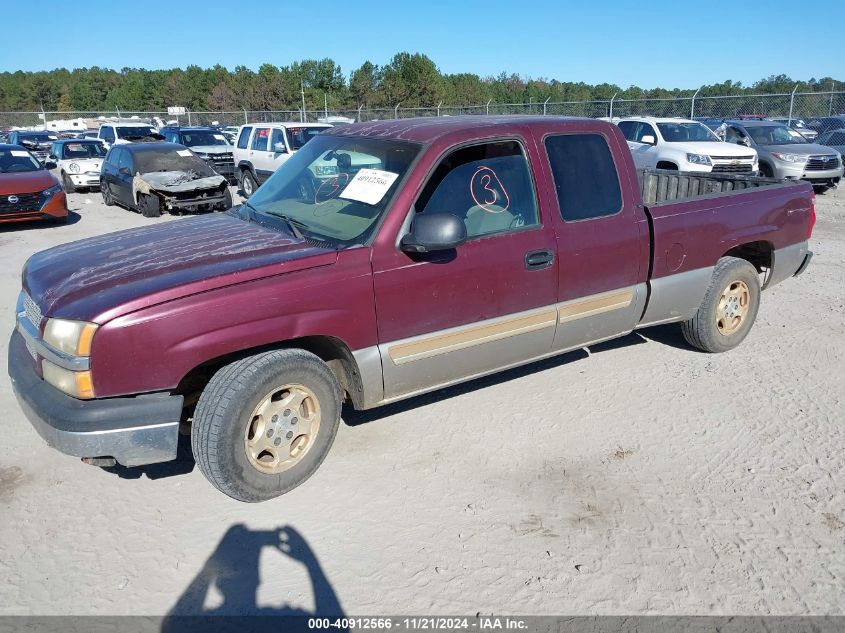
(157, 177)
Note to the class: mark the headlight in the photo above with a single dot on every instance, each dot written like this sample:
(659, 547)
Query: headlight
(790, 158)
(77, 384)
(698, 159)
(73, 167)
(204, 156)
(70, 337)
(49, 192)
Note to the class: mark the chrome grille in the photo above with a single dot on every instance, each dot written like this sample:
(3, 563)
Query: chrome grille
(33, 312)
(732, 169)
(819, 163)
(20, 202)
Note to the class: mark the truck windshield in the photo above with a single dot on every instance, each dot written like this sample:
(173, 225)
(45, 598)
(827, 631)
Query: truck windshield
(336, 188)
(686, 132)
(136, 131)
(775, 135)
(202, 137)
(299, 136)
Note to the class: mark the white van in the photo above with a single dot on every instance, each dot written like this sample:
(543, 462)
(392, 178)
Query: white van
(262, 147)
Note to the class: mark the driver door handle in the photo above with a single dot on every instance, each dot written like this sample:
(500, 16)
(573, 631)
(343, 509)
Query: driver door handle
(538, 260)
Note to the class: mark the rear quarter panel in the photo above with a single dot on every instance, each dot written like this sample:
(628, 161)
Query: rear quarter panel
(689, 235)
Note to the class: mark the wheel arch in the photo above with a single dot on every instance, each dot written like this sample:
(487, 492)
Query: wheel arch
(759, 254)
(330, 349)
(666, 164)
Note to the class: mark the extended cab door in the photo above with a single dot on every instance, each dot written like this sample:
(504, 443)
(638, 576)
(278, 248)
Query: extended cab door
(485, 305)
(602, 236)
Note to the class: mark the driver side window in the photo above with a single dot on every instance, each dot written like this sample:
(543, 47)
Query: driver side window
(488, 186)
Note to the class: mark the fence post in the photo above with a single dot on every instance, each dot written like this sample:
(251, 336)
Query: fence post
(360, 107)
(396, 111)
(692, 107)
(246, 118)
(487, 107)
(544, 105)
(438, 108)
(791, 103)
(830, 107)
(610, 114)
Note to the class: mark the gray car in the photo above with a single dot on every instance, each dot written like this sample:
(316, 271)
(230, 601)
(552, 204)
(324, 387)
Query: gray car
(784, 153)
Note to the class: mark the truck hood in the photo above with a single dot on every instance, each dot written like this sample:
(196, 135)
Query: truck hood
(101, 278)
(26, 182)
(717, 149)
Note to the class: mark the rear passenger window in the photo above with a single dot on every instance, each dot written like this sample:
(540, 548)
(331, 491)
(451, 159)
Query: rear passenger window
(488, 186)
(259, 142)
(585, 177)
(243, 139)
(629, 129)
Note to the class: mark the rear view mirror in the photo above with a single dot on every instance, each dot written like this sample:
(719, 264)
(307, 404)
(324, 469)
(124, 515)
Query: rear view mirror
(125, 171)
(279, 148)
(434, 232)
(648, 139)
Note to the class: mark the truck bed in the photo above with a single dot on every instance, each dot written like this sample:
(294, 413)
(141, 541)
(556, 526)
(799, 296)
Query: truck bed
(660, 186)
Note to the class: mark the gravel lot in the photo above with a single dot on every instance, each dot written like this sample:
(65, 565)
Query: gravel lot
(637, 477)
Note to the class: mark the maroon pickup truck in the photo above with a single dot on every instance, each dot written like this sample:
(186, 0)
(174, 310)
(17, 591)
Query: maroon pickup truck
(382, 261)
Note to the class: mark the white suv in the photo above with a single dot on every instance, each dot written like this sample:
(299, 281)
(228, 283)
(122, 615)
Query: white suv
(262, 147)
(685, 145)
(125, 132)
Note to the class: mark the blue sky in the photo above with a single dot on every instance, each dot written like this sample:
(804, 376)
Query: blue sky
(665, 44)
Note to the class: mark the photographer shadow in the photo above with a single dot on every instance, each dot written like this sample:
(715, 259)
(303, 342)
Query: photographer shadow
(233, 571)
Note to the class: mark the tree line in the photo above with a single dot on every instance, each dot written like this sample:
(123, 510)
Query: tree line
(409, 79)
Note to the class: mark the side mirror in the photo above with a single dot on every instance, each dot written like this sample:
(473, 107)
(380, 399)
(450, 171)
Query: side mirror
(125, 171)
(648, 139)
(434, 232)
(50, 165)
(279, 148)
(52, 157)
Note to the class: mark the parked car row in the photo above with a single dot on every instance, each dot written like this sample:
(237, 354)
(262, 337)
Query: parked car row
(747, 145)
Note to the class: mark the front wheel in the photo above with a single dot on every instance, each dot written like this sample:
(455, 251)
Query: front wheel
(108, 200)
(149, 205)
(264, 424)
(248, 184)
(729, 308)
(67, 183)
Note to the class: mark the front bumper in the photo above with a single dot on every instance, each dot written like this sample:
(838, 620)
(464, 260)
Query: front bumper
(55, 208)
(196, 204)
(820, 176)
(135, 431)
(89, 179)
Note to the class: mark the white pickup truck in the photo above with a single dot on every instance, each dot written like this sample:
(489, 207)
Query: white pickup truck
(684, 145)
(261, 149)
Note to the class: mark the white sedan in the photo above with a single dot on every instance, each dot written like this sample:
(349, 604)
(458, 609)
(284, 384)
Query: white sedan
(79, 162)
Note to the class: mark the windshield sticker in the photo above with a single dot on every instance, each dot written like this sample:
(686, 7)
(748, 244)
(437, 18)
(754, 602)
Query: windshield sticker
(329, 189)
(17, 152)
(488, 192)
(183, 152)
(369, 186)
(219, 137)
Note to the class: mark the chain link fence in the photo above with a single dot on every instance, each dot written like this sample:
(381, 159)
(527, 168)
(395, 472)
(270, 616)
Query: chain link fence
(796, 105)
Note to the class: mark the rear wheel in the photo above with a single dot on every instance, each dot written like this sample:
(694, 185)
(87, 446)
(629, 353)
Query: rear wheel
(728, 310)
(248, 184)
(264, 424)
(106, 193)
(149, 205)
(67, 184)
(227, 201)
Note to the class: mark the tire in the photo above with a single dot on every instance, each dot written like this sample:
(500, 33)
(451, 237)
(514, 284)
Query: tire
(766, 171)
(716, 330)
(668, 166)
(228, 417)
(820, 189)
(149, 206)
(227, 202)
(67, 183)
(106, 193)
(248, 184)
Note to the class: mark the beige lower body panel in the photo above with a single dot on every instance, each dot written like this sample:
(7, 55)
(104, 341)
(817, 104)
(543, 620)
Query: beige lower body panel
(431, 361)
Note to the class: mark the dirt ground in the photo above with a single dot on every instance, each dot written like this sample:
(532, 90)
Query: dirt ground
(636, 477)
